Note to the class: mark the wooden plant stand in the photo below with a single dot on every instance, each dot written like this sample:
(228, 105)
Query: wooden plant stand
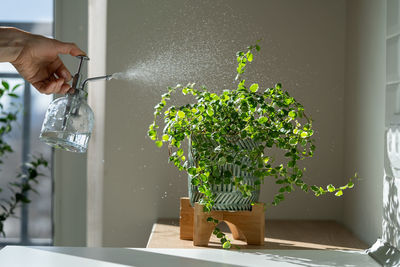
(248, 226)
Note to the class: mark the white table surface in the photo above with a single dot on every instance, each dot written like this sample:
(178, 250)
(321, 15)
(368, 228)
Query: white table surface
(18, 256)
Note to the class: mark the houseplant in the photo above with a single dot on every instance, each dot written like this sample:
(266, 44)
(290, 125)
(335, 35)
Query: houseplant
(29, 174)
(215, 124)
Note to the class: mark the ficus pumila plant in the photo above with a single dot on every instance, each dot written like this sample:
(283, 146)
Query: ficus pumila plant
(270, 117)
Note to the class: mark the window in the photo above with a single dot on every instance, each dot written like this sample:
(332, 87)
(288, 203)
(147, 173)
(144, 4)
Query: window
(33, 222)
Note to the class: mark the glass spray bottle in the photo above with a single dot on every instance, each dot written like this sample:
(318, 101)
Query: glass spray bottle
(69, 120)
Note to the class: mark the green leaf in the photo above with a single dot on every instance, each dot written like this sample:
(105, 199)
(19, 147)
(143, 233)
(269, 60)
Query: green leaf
(15, 87)
(159, 143)
(192, 171)
(227, 245)
(210, 112)
(203, 177)
(249, 56)
(262, 119)
(152, 134)
(303, 134)
(289, 101)
(293, 141)
(339, 193)
(179, 153)
(292, 114)
(258, 47)
(241, 85)
(314, 188)
(330, 188)
(222, 160)
(13, 95)
(181, 114)
(202, 189)
(254, 87)
(5, 85)
(165, 137)
(195, 181)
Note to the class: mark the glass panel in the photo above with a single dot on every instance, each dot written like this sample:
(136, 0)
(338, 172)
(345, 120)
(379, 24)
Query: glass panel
(6, 67)
(393, 104)
(35, 17)
(392, 60)
(12, 161)
(393, 18)
(40, 215)
(27, 11)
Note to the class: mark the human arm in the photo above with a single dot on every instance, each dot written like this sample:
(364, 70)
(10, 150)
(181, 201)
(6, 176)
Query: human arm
(36, 58)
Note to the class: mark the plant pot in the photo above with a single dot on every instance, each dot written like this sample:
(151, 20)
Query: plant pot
(227, 197)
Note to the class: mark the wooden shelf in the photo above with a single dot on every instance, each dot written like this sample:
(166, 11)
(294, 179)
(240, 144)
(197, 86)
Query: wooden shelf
(280, 234)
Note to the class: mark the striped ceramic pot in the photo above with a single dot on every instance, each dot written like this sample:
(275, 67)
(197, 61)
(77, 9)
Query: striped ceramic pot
(227, 197)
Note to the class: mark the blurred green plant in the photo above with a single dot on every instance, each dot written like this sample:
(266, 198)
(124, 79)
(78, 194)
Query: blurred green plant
(28, 176)
(270, 117)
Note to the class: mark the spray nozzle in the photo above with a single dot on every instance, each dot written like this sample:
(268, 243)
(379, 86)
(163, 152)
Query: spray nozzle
(77, 76)
(105, 77)
(73, 104)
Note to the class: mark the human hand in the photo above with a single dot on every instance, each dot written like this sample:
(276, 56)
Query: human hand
(38, 62)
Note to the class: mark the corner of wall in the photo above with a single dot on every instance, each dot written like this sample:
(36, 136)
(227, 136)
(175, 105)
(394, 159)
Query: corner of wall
(365, 116)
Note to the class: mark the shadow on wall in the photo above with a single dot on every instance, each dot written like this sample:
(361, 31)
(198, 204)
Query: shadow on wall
(391, 188)
(391, 211)
(384, 253)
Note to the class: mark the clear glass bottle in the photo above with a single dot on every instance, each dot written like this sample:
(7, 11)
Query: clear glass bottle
(68, 123)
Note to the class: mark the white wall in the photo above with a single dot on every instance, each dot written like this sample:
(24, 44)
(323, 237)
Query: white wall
(365, 115)
(70, 168)
(303, 47)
